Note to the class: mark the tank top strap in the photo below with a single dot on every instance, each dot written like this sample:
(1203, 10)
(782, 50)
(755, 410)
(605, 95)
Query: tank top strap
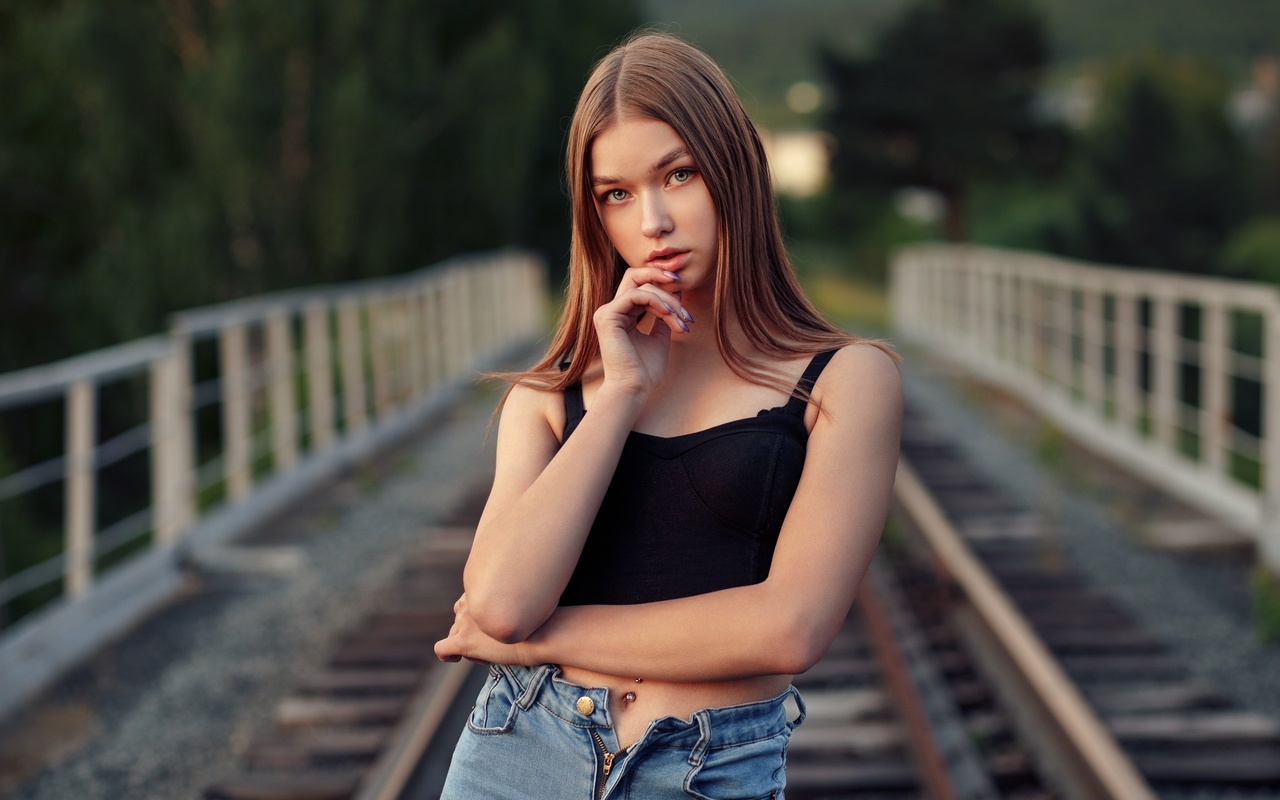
(574, 409)
(796, 405)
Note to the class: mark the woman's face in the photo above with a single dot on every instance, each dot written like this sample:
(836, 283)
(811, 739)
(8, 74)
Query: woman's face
(653, 203)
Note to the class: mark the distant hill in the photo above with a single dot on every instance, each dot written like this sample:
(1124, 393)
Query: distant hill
(767, 45)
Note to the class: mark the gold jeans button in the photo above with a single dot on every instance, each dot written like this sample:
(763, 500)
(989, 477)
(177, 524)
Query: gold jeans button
(585, 706)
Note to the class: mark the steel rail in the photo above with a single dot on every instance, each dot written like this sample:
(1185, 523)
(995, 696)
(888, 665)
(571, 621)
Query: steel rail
(1109, 773)
(390, 774)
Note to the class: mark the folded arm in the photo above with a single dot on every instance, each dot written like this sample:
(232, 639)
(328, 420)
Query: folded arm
(545, 496)
(782, 625)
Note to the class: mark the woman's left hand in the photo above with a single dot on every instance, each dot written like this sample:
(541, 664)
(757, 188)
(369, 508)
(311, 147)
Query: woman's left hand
(466, 640)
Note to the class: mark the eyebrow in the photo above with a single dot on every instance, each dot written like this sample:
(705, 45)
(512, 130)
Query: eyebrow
(662, 163)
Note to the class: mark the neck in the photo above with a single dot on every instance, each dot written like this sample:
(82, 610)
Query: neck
(697, 349)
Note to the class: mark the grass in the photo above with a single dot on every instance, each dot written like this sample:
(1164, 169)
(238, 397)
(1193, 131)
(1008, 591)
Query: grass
(841, 289)
(1264, 586)
(850, 302)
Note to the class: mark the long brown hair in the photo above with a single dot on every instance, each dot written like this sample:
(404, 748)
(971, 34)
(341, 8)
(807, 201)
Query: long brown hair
(659, 76)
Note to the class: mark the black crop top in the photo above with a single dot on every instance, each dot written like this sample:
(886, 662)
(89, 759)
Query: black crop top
(690, 514)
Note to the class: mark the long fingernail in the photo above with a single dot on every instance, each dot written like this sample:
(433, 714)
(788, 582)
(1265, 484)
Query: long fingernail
(682, 325)
(686, 315)
(669, 309)
(671, 275)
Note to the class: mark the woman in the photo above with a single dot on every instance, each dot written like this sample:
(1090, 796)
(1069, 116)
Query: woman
(658, 556)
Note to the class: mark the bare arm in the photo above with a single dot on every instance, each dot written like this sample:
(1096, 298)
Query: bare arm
(545, 496)
(784, 624)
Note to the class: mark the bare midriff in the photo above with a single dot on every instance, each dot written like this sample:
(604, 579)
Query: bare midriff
(656, 699)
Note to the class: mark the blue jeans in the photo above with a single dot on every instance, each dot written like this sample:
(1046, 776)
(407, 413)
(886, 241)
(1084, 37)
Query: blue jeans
(528, 738)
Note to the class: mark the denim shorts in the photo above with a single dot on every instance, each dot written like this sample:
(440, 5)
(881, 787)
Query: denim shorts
(535, 736)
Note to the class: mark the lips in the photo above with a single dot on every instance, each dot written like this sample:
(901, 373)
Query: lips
(670, 258)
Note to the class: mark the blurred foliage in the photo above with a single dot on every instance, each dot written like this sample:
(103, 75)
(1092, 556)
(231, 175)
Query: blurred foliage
(1163, 174)
(1233, 32)
(768, 45)
(852, 234)
(156, 156)
(943, 102)
(1253, 251)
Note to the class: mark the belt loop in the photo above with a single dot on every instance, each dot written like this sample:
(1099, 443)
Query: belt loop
(536, 679)
(699, 751)
(795, 695)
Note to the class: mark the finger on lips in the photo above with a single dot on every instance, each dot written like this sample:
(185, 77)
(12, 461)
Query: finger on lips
(668, 305)
(638, 276)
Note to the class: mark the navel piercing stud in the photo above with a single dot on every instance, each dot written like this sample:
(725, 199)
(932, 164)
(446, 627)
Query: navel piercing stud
(629, 697)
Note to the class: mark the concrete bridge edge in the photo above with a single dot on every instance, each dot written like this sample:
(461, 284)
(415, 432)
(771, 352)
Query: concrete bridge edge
(46, 646)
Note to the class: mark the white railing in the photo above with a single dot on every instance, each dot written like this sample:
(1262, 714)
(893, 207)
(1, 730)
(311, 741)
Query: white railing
(238, 410)
(1176, 376)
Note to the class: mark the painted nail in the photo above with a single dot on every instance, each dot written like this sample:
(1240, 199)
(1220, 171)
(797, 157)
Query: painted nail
(669, 309)
(688, 317)
(682, 325)
(671, 275)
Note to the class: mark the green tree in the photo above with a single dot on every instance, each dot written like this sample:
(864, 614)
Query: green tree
(946, 99)
(161, 154)
(157, 155)
(1165, 174)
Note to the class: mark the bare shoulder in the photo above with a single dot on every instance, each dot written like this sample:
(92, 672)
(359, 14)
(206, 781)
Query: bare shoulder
(862, 381)
(534, 409)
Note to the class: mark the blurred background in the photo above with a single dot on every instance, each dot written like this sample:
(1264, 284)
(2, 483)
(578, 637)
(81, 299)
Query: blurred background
(162, 155)
(168, 154)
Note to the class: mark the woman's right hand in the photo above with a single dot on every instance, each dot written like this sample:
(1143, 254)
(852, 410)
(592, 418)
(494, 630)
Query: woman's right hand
(633, 361)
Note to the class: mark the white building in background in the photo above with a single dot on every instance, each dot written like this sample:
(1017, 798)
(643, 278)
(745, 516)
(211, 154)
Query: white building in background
(798, 161)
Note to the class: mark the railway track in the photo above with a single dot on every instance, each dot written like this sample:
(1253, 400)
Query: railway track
(971, 667)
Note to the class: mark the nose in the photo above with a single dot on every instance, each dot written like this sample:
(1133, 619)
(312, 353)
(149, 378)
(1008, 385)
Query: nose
(655, 219)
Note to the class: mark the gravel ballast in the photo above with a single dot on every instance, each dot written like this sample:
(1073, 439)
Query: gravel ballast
(165, 710)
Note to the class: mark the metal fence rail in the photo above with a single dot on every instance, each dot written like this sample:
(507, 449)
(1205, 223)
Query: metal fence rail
(302, 382)
(1176, 376)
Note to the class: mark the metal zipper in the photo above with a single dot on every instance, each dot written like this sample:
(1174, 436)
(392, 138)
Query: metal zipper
(608, 763)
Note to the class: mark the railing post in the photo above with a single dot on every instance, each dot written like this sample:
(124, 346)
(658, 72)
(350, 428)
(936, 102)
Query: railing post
(1062, 312)
(1213, 378)
(999, 317)
(166, 409)
(508, 308)
(468, 328)
(1033, 329)
(414, 366)
(284, 426)
(319, 375)
(1094, 341)
(237, 444)
(433, 331)
(379, 357)
(1164, 351)
(354, 421)
(403, 365)
(452, 323)
(1269, 533)
(1127, 412)
(80, 500)
(184, 448)
(975, 322)
(480, 307)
